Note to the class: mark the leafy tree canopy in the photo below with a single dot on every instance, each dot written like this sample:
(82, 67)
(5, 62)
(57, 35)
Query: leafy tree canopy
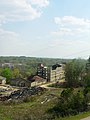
(8, 74)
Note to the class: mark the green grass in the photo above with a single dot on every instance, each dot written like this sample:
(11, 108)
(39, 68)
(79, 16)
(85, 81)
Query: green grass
(34, 110)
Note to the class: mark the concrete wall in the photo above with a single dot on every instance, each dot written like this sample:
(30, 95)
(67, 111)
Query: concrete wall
(56, 74)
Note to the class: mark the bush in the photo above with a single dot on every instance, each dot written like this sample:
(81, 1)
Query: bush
(70, 103)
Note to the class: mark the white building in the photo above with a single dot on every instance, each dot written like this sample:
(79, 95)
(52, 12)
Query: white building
(56, 72)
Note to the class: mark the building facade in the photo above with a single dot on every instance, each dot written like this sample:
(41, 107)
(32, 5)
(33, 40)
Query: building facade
(54, 73)
(42, 71)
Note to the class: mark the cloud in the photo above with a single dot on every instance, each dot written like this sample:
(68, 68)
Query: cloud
(70, 25)
(67, 48)
(63, 31)
(40, 3)
(4, 33)
(71, 20)
(8, 40)
(71, 31)
(21, 10)
(71, 37)
(12, 44)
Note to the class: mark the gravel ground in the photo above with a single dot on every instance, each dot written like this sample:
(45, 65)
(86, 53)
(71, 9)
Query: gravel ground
(88, 118)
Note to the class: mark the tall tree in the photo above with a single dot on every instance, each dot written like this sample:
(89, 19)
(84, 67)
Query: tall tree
(73, 72)
(1, 69)
(8, 74)
(88, 66)
(16, 73)
(86, 77)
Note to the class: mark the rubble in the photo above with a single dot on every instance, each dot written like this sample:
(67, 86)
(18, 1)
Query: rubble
(21, 93)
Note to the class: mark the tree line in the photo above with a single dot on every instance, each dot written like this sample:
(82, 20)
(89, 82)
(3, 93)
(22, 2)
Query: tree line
(24, 66)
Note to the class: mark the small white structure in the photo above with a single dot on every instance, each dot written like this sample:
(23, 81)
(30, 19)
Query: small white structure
(2, 80)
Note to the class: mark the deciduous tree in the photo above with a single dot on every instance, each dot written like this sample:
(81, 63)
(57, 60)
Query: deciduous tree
(8, 74)
(73, 72)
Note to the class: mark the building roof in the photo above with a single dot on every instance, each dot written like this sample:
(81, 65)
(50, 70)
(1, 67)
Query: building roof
(55, 66)
(19, 80)
(35, 78)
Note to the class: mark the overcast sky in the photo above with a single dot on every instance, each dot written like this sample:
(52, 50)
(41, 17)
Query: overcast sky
(45, 28)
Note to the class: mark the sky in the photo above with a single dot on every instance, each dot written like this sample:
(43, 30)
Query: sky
(45, 28)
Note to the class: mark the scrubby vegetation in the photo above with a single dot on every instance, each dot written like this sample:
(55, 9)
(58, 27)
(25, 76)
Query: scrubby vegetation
(66, 99)
(71, 102)
(34, 108)
(43, 106)
(75, 97)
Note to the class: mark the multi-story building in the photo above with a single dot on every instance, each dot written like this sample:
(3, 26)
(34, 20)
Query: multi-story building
(42, 71)
(55, 73)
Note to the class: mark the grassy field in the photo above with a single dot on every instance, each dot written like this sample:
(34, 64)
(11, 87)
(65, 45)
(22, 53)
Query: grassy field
(35, 109)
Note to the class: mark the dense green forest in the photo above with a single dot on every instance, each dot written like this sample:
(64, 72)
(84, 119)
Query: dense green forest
(32, 60)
